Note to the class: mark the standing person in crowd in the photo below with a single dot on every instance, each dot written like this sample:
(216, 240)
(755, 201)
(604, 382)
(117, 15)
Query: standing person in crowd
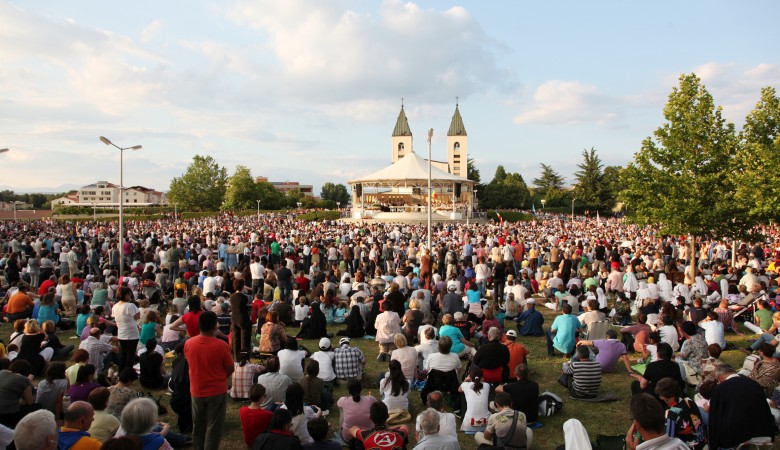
(210, 364)
(387, 325)
(126, 314)
(241, 326)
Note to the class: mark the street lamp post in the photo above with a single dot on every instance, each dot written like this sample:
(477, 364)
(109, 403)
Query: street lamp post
(258, 209)
(175, 213)
(14, 202)
(121, 244)
(430, 193)
(338, 208)
(543, 202)
(572, 210)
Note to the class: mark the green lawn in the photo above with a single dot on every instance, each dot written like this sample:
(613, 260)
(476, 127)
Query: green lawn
(598, 418)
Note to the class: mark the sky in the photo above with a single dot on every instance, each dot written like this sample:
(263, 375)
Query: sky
(309, 90)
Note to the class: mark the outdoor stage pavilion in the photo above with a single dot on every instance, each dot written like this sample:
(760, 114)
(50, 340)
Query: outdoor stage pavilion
(400, 190)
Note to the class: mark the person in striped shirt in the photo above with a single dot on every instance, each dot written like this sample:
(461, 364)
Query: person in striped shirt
(582, 376)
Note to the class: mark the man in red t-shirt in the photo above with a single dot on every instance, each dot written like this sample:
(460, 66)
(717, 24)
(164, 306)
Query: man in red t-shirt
(210, 364)
(50, 283)
(380, 437)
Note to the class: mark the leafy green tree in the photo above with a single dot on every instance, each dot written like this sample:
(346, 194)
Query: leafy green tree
(335, 193)
(506, 190)
(590, 189)
(201, 187)
(270, 197)
(613, 187)
(241, 192)
(680, 180)
(549, 180)
(758, 157)
(472, 173)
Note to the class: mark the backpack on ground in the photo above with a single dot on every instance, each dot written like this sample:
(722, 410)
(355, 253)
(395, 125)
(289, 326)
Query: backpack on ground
(549, 404)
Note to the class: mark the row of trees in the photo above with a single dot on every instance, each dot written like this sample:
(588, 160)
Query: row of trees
(205, 186)
(595, 188)
(37, 201)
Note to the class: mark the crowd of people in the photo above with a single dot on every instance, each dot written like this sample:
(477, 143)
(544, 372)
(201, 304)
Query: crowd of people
(218, 296)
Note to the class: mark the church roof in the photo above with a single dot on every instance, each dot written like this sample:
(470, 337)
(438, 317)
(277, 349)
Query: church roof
(410, 167)
(402, 125)
(456, 126)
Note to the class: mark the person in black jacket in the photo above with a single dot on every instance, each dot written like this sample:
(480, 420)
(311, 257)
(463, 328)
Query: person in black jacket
(181, 400)
(279, 434)
(738, 410)
(241, 323)
(492, 357)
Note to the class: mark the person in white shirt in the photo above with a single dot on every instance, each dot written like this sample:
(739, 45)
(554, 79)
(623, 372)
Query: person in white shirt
(444, 360)
(713, 330)
(325, 357)
(447, 425)
(668, 333)
(258, 275)
(428, 346)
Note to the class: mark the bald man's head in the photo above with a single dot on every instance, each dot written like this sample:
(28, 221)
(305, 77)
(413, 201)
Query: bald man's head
(79, 415)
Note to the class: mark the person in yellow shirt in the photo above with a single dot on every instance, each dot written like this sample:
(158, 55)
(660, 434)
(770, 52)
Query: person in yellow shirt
(73, 435)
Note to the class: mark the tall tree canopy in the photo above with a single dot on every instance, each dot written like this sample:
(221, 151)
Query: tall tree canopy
(548, 180)
(506, 190)
(201, 187)
(681, 180)
(241, 193)
(759, 157)
(335, 193)
(591, 189)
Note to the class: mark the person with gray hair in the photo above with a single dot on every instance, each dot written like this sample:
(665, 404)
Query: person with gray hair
(139, 418)
(493, 358)
(447, 424)
(36, 431)
(431, 439)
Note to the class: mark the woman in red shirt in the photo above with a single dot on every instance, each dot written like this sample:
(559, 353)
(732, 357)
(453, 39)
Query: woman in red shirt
(189, 321)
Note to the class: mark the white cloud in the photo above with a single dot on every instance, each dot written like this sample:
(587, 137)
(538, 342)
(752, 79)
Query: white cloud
(737, 87)
(558, 102)
(328, 51)
(151, 31)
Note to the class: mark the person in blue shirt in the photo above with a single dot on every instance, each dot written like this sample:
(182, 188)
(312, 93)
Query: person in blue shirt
(460, 345)
(562, 334)
(530, 321)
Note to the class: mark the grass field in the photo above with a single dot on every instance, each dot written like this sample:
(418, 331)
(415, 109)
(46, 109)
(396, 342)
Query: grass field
(598, 418)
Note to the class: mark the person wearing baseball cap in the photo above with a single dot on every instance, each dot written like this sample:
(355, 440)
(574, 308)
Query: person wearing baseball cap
(452, 301)
(325, 357)
(518, 353)
(530, 322)
(348, 361)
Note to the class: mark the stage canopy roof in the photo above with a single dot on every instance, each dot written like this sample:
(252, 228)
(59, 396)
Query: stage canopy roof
(410, 168)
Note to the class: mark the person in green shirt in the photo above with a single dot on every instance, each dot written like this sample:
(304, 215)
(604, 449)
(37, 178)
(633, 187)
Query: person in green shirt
(276, 252)
(763, 318)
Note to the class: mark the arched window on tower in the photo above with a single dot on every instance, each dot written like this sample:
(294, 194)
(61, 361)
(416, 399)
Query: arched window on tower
(456, 147)
(400, 146)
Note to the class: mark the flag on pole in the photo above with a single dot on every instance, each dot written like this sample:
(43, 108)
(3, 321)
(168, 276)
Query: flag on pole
(434, 195)
(598, 219)
(501, 219)
(533, 208)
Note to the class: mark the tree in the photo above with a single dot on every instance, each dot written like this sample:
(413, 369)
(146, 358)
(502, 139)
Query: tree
(612, 186)
(472, 173)
(758, 186)
(335, 193)
(590, 189)
(270, 197)
(241, 193)
(549, 180)
(201, 187)
(506, 190)
(681, 181)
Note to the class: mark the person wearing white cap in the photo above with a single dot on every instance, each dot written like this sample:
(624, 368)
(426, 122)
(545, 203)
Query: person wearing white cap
(348, 361)
(326, 358)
